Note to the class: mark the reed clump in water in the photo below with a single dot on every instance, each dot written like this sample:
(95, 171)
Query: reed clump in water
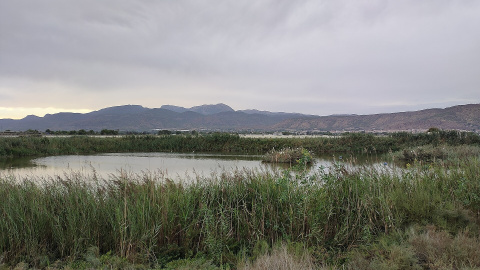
(297, 155)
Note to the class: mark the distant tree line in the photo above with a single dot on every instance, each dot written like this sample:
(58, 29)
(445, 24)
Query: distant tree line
(82, 132)
(117, 132)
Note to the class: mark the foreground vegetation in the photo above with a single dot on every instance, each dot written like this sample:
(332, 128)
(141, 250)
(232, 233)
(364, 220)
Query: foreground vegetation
(424, 217)
(229, 143)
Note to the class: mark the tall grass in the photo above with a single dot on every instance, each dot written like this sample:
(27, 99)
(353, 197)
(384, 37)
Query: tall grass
(151, 220)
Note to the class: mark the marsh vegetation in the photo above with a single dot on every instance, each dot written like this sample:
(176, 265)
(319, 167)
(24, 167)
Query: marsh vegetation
(356, 143)
(293, 156)
(425, 215)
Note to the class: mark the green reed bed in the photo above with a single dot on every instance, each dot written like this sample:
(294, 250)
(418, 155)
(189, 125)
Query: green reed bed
(150, 220)
(217, 142)
(229, 143)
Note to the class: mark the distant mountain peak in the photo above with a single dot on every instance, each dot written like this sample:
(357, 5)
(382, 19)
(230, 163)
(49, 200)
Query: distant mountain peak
(174, 108)
(31, 117)
(206, 109)
(122, 109)
(212, 109)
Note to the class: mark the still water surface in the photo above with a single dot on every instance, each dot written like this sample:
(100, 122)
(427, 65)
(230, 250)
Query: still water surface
(172, 165)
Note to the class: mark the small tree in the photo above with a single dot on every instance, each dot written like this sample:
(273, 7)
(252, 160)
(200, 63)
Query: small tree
(164, 132)
(433, 130)
(108, 132)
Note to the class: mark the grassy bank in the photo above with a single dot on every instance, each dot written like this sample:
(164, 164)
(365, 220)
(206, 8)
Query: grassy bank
(356, 217)
(228, 143)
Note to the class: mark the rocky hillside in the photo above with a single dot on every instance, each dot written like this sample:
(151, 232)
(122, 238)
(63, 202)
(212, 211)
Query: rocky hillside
(463, 117)
(224, 118)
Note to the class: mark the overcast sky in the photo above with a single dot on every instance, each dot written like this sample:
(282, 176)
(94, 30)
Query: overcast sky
(316, 57)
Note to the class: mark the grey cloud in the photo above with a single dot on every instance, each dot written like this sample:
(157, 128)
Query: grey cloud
(261, 53)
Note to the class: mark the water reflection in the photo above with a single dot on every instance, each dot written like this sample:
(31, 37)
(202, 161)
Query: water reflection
(173, 165)
(103, 165)
(14, 163)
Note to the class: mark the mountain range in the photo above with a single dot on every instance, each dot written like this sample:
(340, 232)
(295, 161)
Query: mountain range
(222, 117)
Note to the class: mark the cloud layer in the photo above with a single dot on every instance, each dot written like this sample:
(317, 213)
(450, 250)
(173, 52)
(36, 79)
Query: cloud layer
(318, 57)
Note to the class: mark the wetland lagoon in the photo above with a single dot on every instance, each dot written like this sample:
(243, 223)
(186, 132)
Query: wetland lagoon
(184, 167)
(175, 166)
(346, 211)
